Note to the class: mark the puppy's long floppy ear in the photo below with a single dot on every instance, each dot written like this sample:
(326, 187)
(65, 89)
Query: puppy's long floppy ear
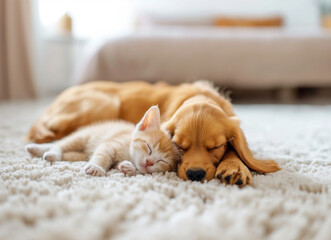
(239, 143)
(150, 120)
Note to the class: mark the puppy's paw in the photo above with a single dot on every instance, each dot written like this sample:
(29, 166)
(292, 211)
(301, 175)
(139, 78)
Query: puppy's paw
(52, 156)
(94, 170)
(229, 172)
(127, 168)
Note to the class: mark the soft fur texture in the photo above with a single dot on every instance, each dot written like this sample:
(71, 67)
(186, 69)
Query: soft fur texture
(39, 200)
(200, 120)
(115, 144)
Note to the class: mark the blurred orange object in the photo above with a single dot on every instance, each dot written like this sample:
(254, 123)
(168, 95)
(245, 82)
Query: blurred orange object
(276, 21)
(326, 21)
(65, 25)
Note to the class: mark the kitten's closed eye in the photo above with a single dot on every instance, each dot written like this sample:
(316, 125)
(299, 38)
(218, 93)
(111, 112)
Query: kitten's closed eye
(162, 161)
(149, 149)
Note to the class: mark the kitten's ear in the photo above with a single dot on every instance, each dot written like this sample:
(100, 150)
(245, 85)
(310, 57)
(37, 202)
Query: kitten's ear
(151, 119)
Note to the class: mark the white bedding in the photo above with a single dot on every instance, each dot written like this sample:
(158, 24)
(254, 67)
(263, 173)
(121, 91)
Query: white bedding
(236, 58)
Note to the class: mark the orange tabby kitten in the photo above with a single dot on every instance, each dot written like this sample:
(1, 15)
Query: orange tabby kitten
(144, 147)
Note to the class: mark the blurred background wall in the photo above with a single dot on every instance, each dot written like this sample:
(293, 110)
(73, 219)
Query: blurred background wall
(65, 34)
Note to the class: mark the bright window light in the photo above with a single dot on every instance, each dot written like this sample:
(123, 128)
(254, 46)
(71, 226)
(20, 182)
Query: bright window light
(89, 17)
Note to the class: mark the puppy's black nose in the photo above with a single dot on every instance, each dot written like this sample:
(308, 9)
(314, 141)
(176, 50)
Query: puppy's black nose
(195, 174)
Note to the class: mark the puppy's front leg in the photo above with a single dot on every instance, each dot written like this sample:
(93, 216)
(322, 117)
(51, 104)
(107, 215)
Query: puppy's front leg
(232, 170)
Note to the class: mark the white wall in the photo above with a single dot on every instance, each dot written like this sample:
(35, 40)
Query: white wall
(90, 17)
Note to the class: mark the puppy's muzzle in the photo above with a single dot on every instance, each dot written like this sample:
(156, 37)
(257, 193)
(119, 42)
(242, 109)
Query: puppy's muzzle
(195, 174)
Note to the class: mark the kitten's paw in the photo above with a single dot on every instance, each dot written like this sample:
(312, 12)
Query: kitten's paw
(52, 156)
(35, 150)
(94, 170)
(32, 148)
(127, 168)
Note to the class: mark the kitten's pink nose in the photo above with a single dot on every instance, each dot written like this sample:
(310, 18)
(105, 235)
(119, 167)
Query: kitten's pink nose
(149, 162)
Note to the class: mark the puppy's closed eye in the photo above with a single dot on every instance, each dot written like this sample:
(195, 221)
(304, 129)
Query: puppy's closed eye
(214, 148)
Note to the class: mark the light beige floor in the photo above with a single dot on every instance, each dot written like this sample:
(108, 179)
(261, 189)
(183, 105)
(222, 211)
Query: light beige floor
(39, 200)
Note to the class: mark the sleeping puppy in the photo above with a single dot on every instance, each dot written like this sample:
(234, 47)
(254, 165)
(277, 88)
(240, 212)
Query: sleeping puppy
(205, 134)
(199, 119)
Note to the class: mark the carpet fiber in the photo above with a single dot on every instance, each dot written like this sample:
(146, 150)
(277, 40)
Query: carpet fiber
(39, 200)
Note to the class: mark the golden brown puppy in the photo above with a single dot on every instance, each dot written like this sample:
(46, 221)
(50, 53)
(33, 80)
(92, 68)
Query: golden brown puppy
(97, 101)
(204, 133)
(200, 120)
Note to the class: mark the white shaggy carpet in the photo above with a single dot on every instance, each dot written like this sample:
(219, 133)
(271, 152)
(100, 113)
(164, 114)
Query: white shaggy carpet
(43, 201)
